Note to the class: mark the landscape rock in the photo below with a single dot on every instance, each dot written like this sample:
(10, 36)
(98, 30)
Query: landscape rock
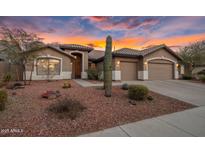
(132, 102)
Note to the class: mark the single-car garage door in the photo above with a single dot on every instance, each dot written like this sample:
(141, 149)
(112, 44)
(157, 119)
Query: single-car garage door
(128, 71)
(160, 70)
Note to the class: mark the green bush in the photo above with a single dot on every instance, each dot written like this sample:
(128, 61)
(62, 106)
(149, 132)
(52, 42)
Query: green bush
(3, 99)
(125, 86)
(202, 78)
(137, 92)
(92, 74)
(7, 77)
(150, 98)
(186, 77)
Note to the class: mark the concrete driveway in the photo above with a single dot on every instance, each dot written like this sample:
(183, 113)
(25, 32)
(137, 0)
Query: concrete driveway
(187, 91)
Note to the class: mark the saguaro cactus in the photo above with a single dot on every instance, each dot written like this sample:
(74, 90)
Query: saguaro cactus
(108, 67)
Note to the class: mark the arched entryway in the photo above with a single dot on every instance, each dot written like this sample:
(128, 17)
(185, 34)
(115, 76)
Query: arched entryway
(77, 65)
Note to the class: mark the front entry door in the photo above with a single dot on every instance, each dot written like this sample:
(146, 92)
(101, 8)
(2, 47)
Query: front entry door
(78, 65)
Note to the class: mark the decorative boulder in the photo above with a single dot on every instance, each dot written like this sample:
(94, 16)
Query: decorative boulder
(125, 86)
(51, 94)
(16, 85)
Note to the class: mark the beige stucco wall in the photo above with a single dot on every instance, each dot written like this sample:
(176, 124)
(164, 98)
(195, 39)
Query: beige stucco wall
(86, 60)
(115, 60)
(66, 65)
(161, 53)
(84, 55)
(119, 59)
(66, 61)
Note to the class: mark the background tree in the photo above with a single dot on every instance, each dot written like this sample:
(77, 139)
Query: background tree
(108, 67)
(16, 45)
(192, 56)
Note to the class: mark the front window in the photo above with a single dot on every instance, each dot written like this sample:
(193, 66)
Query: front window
(48, 66)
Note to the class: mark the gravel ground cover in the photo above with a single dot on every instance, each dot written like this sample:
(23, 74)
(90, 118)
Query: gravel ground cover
(98, 81)
(26, 112)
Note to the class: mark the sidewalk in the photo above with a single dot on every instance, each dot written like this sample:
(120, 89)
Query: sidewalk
(186, 123)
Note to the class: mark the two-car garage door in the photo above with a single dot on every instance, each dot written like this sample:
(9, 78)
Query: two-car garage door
(157, 70)
(160, 70)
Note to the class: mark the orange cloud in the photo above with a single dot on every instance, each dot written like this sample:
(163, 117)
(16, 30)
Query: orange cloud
(83, 40)
(178, 40)
(130, 42)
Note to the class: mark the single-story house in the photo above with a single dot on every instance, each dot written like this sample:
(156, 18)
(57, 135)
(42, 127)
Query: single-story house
(72, 61)
(155, 63)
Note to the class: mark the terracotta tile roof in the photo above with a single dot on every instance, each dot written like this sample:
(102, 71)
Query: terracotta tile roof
(75, 47)
(151, 49)
(60, 50)
(96, 54)
(126, 52)
(54, 48)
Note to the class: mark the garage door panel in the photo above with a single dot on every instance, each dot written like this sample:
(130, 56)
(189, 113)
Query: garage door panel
(159, 71)
(129, 71)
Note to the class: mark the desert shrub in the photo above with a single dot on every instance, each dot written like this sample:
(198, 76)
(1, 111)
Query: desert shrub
(137, 92)
(18, 84)
(125, 86)
(67, 108)
(66, 85)
(3, 99)
(202, 78)
(201, 72)
(150, 98)
(100, 75)
(186, 77)
(7, 77)
(92, 74)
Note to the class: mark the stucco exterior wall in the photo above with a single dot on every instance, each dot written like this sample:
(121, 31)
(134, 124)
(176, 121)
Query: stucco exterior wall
(159, 54)
(66, 61)
(162, 53)
(66, 64)
(118, 60)
(84, 62)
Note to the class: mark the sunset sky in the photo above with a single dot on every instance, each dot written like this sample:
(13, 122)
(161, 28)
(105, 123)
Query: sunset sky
(132, 32)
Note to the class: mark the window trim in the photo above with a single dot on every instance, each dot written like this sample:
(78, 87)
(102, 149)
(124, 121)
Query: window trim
(49, 57)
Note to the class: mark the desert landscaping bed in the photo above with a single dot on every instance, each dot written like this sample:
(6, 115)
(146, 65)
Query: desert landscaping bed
(27, 114)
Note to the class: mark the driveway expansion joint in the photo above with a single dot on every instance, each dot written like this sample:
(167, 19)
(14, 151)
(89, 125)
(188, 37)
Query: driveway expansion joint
(124, 131)
(158, 118)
